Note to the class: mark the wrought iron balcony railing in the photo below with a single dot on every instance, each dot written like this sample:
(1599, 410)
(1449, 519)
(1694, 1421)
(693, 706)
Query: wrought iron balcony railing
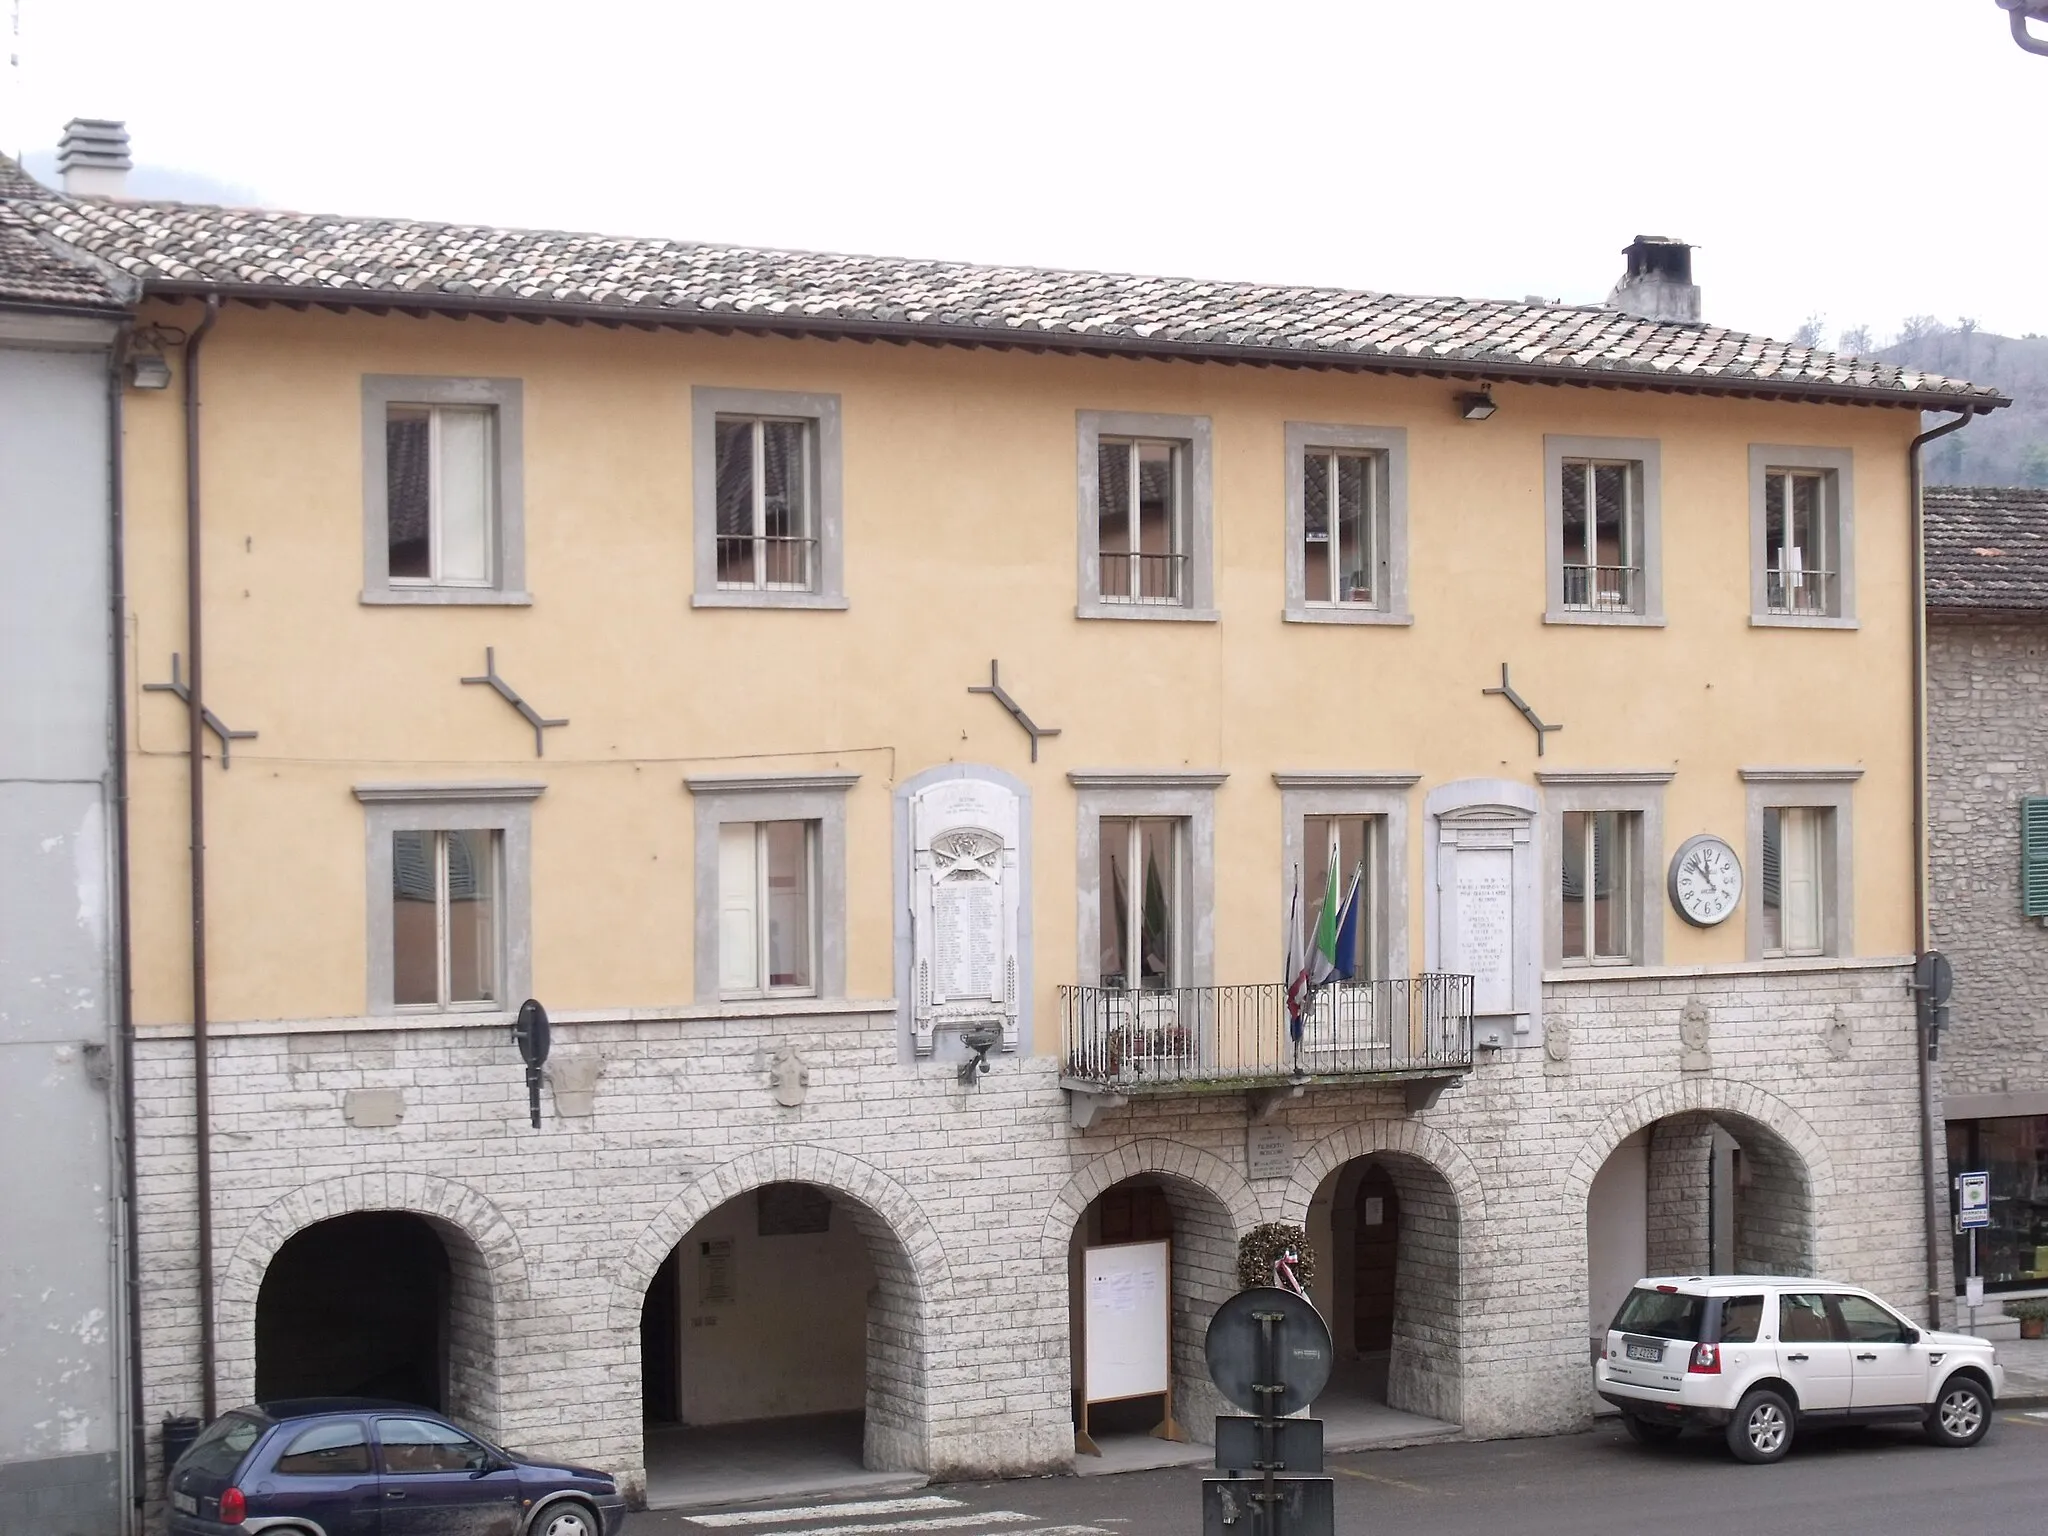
(1121, 1041)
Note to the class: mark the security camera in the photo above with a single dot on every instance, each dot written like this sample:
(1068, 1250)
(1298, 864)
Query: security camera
(981, 1041)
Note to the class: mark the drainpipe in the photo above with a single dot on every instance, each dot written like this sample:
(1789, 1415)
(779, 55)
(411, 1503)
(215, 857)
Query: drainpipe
(124, 988)
(195, 753)
(1936, 1226)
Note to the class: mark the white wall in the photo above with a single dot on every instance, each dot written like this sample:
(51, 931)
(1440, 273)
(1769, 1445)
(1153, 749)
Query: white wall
(1617, 1229)
(794, 1338)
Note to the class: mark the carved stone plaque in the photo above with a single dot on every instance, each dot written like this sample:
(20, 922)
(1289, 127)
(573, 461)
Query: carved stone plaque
(1486, 932)
(965, 890)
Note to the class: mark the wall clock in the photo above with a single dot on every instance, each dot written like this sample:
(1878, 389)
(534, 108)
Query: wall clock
(1706, 880)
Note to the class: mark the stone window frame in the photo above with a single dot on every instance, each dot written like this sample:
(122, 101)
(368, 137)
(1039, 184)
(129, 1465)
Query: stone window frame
(506, 397)
(501, 806)
(1197, 434)
(1639, 791)
(1828, 789)
(1314, 792)
(1648, 454)
(813, 797)
(1389, 445)
(1184, 794)
(707, 404)
(1839, 465)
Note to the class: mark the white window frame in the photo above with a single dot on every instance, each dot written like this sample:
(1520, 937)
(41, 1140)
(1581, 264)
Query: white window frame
(1193, 513)
(1624, 849)
(1638, 792)
(1645, 456)
(503, 807)
(444, 960)
(760, 898)
(807, 519)
(825, 466)
(1388, 448)
(1828, 789)
(506, 530)
(819, 798)
(1134, 916)
(437, 519)
(1836, 468)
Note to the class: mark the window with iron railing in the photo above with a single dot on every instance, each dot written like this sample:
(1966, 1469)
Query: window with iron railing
(1601, 559)
(1801, 540)
(1139, 937)
(767, 533)
(1141, 521)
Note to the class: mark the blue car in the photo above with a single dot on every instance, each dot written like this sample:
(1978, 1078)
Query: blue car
(348, 1467)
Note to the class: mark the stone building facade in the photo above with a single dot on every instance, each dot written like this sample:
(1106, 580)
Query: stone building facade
(889, 767)
(1987, 662)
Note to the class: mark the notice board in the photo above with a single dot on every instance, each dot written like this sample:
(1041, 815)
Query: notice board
(1126, 1294)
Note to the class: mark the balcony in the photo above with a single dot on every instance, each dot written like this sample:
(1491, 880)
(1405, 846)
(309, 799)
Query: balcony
(1117, 1044)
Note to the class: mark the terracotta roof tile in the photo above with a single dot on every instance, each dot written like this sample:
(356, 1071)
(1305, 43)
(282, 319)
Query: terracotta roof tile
(1987, 547)
(180, 247)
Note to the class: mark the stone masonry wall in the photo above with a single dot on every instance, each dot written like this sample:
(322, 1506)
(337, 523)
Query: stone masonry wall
(1677, 1227)
(1988, 747)
(979, 1188)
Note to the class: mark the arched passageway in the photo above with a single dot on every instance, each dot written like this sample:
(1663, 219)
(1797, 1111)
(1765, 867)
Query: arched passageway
(1701, 1192)
(781, 1349)
(386, 1304)
(1387, 1234)
(1200, 1274)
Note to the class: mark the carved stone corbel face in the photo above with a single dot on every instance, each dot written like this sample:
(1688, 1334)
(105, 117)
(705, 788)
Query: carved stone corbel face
(1695, 1036)
(789, 1076)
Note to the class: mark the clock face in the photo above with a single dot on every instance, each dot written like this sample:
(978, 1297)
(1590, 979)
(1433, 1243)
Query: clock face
(1706, 880)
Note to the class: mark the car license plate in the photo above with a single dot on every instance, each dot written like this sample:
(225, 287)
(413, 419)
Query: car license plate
(1650, 1352)
(184, 1504)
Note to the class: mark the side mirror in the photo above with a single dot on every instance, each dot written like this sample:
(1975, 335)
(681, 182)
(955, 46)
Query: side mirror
(1911, 1336)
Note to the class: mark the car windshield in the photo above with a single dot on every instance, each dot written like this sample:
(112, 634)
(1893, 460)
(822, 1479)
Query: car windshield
(1661, 1314)
(220, 1450)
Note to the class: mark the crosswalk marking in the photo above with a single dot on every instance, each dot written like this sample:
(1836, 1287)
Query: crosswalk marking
(935, 1523)
(853, 1511)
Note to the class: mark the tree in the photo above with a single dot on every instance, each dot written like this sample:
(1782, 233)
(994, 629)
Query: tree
(2034, 465)
(1856, 341)
(1810, 331)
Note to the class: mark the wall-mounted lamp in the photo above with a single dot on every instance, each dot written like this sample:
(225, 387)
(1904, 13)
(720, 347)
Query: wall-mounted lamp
(147, 366)
(1476, 405)
(982, 1039)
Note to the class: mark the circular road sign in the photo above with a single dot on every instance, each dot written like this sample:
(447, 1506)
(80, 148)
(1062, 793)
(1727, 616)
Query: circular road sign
(1302, 1351)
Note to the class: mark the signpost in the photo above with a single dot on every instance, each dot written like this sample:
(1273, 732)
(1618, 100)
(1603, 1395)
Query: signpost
(1270, 1354)
(1973, 1215)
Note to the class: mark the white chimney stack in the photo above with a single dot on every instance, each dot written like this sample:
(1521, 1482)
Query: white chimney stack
(1658, 284)
(93, 157)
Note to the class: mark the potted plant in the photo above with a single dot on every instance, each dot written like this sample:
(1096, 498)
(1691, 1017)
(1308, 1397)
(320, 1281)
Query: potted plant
(2032, 1313)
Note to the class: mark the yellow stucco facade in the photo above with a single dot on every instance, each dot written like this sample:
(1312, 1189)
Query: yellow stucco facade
(960, 533)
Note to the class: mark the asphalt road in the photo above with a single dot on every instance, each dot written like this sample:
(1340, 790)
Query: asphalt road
(1875, 1482)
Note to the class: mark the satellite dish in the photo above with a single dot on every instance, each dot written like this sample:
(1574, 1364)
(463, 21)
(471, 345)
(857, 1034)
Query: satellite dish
(1237, 1346)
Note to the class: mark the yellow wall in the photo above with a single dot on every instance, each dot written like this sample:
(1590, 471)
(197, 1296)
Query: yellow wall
(960, 533)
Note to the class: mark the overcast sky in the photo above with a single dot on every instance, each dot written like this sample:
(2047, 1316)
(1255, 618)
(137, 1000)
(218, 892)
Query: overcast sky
(1860, 159)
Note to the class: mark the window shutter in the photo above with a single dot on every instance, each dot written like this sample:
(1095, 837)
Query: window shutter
(739, 942)
(2034, 856)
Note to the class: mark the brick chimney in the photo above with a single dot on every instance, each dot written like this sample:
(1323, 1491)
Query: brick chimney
(1658, 284)
(93, 157)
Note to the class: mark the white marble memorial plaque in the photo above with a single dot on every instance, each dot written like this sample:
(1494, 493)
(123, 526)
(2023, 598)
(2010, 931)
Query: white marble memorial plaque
(1486, 916)
(967, 938)
(965, 891)
(1269, 1152)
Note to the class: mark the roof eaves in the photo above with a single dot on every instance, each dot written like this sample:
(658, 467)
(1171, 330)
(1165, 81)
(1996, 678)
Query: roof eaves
(1976, 400)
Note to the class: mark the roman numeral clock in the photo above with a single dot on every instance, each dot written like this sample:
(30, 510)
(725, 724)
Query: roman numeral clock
(1706, 880)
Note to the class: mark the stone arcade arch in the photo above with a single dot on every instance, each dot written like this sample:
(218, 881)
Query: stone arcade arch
(1693, 1177)
(909, 1283)
(485, 1279)
(1209, 1206)
(1430, 1204)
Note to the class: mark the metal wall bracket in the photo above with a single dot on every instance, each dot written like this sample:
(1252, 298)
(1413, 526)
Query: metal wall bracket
(506, 692)
(1507, 691)
(206, 716)
(1031, 728)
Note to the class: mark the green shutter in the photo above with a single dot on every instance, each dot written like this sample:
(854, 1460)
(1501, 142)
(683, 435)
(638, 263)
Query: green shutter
(2034, 856)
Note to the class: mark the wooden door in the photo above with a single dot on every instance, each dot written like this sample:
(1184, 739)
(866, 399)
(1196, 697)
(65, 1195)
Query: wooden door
(1375, 1256)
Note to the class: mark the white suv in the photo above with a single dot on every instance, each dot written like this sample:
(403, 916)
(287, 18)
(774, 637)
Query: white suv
(1763, 1354)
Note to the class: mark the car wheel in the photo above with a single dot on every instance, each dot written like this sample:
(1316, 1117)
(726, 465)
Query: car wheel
(567, 1519)
(1649, 1432)
(1762, 1427)
(1961, 1415)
